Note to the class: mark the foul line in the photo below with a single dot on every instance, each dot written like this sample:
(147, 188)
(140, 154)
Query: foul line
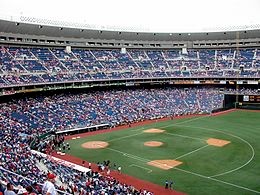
(119, 138)
(199, 175)
(186, 121)
(208, 129)
(137, 129)
(134, 165)
(162, 127)
(217, 180)
(243, 140)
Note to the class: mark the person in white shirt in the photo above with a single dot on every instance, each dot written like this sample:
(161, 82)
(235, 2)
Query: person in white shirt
(119, 169)
(9, 190)
(48, 186)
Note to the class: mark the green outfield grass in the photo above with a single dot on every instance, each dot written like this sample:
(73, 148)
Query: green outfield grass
(232, 169)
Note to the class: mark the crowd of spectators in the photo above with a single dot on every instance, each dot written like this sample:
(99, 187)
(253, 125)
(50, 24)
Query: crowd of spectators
(23, 119)
(67, 111)
(91, 182)
(243, 91)
(20, 168)
(19, 65)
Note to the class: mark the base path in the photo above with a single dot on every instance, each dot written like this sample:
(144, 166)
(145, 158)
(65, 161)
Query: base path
(123, 178)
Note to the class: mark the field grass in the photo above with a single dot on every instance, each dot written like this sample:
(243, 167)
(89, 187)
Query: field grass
(232, 169)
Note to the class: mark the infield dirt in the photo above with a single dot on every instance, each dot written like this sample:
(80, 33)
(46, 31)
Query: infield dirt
(164, 164)
(217, 142)
(95, 145)
(153, 143)
(154, 131)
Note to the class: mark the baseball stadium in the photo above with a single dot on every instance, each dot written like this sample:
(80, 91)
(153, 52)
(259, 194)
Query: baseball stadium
(133, 98)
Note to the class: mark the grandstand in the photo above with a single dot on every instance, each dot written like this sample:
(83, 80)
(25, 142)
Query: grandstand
(57, 82)
(25, 65)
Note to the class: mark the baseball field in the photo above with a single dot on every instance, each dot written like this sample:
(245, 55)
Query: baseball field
(201, 155)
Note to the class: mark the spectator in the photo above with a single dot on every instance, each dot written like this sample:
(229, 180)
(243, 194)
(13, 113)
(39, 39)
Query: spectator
(48, 186)
(30, 190)
(9, 189)
(22, 191)
(1, 189)
(171, 184)
(166, 184)
(119, 169)
(108, 171)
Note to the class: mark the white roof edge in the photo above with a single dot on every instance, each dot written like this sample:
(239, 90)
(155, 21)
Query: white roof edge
(81, 25)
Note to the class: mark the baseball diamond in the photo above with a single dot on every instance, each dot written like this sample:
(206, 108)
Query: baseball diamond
(130, 97)
(207, 151)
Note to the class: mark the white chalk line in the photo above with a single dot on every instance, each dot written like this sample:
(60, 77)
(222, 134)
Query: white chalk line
(199, 175)
(147, 160)
(217, 180)
(200, 148)
(142, 128)
(243, 140)
(186, 121)
(119, 138)
(208, 129)
(185, 136)
(160, 127)
(135, 165)
(137, 157)
(129, 155)
(137, 129)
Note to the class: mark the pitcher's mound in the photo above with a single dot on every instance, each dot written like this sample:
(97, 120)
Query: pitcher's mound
(217, 142)
(164, 164)
(153, 144)
(95, 145)
(154, 131)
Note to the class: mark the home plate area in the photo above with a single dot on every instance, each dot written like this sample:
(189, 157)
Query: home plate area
(164, 164)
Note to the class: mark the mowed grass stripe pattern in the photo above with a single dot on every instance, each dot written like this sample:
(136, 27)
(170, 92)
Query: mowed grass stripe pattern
(182, 136)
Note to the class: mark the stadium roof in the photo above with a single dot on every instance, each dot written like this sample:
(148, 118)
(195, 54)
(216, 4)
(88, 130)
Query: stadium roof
(165, 16)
